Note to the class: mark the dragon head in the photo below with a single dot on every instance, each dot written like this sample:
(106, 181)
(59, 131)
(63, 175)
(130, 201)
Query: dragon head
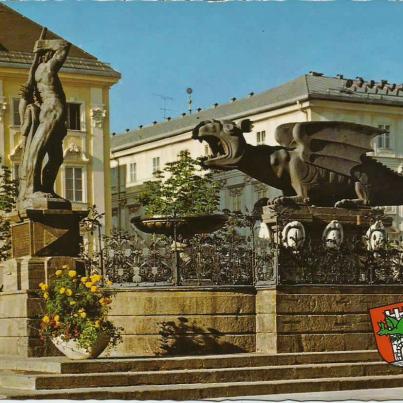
(226, 141)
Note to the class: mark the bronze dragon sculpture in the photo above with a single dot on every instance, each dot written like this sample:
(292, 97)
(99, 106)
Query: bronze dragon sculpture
(316, 163)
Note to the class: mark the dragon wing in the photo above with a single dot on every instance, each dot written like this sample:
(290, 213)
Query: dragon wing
(336, 146)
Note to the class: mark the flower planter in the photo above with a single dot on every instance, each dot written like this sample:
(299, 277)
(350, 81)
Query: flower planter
(185, 226)
(72, 350)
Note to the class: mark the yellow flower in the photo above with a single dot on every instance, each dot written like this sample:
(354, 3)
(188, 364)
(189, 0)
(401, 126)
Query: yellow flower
(81, 310)
(69, 292)
(72, 303)
(44, 287)
(89, 284)
(56, 318)
(97, 324)
(72, 273)
(46, 319)
(58, 273)
(96, 277)
(62, 290)
(84, 279)
(109, 282)
(45, 295)
(94, 288)
(83, 314)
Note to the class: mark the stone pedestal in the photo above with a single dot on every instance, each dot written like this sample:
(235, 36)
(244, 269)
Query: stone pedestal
(309, 318)
(316, 297)
(43, 240)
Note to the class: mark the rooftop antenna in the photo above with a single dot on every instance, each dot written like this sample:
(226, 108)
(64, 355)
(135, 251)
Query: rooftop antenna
(165, 98)
(189, 92)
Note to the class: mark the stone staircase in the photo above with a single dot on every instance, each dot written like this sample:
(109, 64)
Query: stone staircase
(195, 377)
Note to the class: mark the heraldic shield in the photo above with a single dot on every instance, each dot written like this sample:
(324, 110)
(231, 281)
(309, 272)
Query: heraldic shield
(387, 323)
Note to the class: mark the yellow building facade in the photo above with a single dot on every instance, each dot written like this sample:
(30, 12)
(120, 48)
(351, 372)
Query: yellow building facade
(84, 177)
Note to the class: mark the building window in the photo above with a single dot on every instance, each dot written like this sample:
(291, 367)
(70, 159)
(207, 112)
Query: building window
(260, 137)
(383, 140)
(261, 193)
(156, 165)
(73, 116)
(74, 184)
(16, 171)
(236, 199)
(236, 202)
(16, 113)
(132, 172)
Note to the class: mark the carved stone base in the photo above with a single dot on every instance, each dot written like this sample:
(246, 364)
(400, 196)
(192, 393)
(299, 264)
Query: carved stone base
(27, 272)
(44, 203)
(42, 241)
(46, 233)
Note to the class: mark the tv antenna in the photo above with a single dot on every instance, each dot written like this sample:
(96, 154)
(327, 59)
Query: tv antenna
(164, 98)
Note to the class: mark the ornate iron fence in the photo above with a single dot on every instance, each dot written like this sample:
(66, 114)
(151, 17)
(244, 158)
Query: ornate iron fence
(236, 255)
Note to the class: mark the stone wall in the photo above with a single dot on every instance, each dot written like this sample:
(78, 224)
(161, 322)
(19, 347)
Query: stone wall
(19, 322)
(185, 321)
(318, 318)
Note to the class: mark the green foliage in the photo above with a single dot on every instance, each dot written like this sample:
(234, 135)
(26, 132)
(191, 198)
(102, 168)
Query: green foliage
(8, 196)
(181, 189)
(76, 308)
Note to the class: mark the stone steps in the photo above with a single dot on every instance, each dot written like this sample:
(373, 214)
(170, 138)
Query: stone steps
(21, 380)
(62, 365)
(195, 377)
(214, 390)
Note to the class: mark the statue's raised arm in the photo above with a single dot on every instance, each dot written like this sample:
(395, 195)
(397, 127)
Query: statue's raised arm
(58, 48)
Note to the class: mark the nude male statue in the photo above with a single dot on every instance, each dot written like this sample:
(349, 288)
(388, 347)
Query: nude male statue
(43, 121)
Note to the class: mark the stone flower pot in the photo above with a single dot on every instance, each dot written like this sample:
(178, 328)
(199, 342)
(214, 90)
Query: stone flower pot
(186, 226)
(72, 350)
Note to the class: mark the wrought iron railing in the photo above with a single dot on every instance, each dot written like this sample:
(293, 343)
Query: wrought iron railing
(236, 255)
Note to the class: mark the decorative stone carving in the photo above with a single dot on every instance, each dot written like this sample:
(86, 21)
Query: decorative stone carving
(333, 235)
(97, 116)
(73, 152)
(293, 235)
(3, 107)
(235, 190)
(376, 237)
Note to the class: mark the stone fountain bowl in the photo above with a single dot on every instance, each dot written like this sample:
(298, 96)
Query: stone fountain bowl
(186, 226)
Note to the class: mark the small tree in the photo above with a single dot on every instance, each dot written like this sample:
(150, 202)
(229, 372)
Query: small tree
(181, 189)
(8, 196)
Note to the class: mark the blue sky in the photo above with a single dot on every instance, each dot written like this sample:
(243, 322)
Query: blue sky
(223, 49)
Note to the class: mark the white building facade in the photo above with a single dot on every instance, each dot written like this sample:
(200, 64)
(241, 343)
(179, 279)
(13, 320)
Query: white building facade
(313, 97)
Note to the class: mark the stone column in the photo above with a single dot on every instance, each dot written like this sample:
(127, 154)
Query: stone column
(98, 114)
(3, 108)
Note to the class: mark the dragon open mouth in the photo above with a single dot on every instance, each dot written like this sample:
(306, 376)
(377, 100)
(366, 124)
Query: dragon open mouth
(218, 148)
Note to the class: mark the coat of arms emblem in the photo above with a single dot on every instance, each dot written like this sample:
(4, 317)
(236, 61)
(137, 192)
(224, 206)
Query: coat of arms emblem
(387, 323)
